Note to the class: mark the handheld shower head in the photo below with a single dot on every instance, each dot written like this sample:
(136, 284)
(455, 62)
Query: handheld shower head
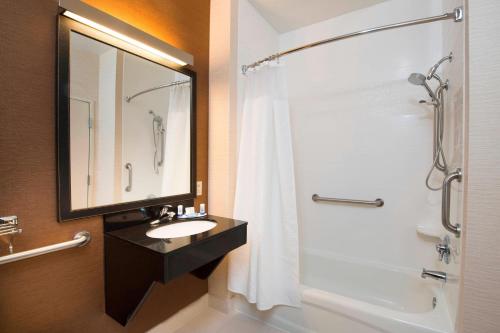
(417, 79)
(434, 68)
(420, 80)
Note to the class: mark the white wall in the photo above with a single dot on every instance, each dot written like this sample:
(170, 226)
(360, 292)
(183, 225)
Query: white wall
(84, 93)
(222, 128)
(105, 130)
(256, 39)
(238, 36)
(481, 286)
(360, 133)
(454, 41)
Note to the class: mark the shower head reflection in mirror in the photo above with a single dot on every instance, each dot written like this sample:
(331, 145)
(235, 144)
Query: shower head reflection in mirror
(158, 141)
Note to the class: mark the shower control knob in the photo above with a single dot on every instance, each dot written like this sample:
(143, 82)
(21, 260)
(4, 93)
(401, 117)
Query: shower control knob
(443, 249)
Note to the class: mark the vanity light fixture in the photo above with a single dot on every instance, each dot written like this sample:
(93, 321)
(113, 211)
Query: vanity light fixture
(110, 25)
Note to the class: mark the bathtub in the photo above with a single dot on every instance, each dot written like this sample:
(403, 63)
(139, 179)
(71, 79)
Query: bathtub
(341, 295)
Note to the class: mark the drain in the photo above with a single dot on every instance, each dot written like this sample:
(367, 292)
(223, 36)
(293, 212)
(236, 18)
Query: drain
(434, 302)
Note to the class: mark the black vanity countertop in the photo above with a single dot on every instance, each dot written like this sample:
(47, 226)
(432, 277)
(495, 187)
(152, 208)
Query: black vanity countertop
(137, 234)
(143, 260)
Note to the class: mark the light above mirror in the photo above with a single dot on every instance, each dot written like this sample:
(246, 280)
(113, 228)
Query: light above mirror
(118, 35)
(115, 28)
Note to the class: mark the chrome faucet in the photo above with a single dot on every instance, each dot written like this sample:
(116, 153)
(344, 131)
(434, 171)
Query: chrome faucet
(163, 212)
(436, 275)
(443, 249)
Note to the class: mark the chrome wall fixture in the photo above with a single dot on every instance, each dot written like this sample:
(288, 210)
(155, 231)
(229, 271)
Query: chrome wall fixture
(445, 212)
(159, 133)
(374, 203)
(457, 15)
(9, 227)
(438, 102)
(436, 275)
(80, 239)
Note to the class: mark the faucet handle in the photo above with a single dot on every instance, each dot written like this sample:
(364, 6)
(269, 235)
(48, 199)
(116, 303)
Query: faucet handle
(444, 250)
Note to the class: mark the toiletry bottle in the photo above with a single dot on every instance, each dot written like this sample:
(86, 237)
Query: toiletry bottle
(180, 210)
(202, 209)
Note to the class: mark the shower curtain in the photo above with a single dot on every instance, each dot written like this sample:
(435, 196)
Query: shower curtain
(176, 172)
(266, 270)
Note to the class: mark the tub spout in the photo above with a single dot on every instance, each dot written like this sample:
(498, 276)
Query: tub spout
(436, 275)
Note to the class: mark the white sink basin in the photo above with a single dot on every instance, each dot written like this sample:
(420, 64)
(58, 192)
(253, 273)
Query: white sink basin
(181, 229)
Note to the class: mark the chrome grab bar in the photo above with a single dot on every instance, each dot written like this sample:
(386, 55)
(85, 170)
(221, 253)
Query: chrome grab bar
(445, 212)
(375, 203)
(128, 166)
(81, 238)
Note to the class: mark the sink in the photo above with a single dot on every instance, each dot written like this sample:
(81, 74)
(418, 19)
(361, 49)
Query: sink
(142, 254)
(181, 229)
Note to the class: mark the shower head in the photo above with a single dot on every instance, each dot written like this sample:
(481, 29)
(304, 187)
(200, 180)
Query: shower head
(417, 79)
(434, 68)
(420, 80)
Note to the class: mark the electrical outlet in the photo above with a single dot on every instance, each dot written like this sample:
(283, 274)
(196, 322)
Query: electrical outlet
(199, 188)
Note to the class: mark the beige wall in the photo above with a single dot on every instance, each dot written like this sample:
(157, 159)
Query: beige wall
(222, 127)
(480, 311)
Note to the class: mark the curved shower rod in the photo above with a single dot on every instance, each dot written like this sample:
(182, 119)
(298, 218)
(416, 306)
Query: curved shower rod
(175, 83)
(457, 15)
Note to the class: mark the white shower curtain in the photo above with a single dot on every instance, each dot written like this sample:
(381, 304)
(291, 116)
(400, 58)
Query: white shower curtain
(266, 270)
(176, 172)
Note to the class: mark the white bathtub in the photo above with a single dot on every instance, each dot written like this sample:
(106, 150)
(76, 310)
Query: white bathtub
(340, 295)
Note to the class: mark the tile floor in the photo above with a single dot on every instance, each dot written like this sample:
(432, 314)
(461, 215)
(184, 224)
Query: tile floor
(213, 321)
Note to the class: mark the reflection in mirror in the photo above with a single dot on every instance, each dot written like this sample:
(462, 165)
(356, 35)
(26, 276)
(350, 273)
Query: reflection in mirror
(129, 126)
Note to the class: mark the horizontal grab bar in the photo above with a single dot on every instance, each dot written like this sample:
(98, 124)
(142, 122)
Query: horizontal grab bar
(375, 203)
(81, 238)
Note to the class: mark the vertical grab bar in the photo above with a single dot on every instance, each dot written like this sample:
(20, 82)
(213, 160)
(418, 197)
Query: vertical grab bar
(162, 156)
(445, 214)
(128, 166)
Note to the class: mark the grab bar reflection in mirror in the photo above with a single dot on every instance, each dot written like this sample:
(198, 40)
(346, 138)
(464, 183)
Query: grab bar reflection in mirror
(375, 203)
(80, 239)
(128, 166)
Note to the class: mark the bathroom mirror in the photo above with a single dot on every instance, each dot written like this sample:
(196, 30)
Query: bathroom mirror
(126, 135)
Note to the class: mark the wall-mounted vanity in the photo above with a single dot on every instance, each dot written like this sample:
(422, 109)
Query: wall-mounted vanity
(126, 126)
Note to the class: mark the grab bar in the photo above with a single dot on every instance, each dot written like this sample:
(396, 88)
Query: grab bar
(80, 239)
(375, 203)
(445, 212)
(128, 166)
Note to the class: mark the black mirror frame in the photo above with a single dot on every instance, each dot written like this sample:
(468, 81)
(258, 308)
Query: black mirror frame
(65, 26)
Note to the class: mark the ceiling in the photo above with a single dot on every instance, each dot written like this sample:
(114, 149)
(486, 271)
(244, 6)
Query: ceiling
(287, 15)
